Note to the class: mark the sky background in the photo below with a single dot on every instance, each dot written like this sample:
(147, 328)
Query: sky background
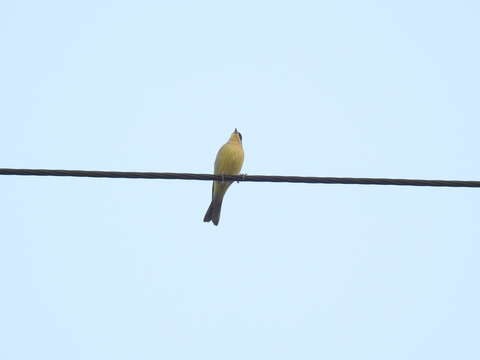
(126, 269)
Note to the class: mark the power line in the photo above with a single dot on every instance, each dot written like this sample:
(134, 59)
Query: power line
(254, 178)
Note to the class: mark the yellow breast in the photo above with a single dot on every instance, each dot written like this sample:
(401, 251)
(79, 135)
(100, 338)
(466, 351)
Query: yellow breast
(229, 159)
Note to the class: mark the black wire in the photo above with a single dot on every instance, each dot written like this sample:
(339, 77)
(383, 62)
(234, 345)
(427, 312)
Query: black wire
(255, 178)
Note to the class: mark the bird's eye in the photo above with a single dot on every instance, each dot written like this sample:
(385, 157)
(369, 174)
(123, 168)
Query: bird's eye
(240, 136)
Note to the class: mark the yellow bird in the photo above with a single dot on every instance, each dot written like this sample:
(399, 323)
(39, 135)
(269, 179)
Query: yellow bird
(229, 161)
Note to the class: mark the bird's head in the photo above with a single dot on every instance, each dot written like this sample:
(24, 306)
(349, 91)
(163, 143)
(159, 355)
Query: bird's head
(236, 136)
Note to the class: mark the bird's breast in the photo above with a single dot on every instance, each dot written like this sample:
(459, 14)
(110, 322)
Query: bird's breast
(229, 159)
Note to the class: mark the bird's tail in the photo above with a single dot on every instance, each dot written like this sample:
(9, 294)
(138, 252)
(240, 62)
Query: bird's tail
(213, 212)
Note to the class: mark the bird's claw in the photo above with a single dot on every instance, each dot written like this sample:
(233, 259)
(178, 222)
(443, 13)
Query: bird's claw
(243, 178)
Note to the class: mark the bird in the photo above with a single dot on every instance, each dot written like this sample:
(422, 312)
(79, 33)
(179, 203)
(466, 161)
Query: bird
(229, 161)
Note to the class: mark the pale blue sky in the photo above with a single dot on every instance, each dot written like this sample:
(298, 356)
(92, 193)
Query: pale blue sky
(126, 269)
